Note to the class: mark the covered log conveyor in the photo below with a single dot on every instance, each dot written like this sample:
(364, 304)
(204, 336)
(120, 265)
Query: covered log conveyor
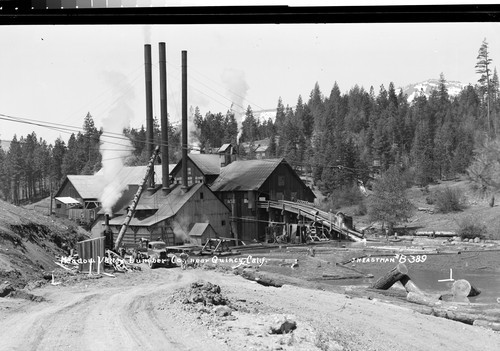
(330, 220)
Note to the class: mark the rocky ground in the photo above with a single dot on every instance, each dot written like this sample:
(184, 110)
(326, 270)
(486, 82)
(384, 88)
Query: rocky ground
(218, 310)
(295, 306)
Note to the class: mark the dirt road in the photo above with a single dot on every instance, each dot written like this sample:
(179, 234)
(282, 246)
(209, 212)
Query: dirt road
(143, 311)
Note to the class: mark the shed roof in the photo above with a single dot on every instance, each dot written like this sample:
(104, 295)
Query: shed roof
(67, 200)
(245, 175)
(199, 229)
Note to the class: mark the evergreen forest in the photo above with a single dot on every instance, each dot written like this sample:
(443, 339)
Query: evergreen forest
(335, 138)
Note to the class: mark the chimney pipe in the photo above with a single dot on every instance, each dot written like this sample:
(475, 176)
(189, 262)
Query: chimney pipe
(106, 221)
(164, 118)
(149, 107)
(184, 121)
(108, 234)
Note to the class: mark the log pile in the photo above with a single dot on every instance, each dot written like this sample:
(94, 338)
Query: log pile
(432, 304)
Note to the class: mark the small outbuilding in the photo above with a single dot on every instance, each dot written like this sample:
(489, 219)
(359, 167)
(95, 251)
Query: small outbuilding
(200, 233)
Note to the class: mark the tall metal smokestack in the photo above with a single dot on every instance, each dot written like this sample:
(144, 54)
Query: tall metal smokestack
(184, 121)
(164, 117)
(149, 107)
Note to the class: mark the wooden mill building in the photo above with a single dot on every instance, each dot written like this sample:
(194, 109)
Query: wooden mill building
(167, 216)
(240, 184)
(78, 197)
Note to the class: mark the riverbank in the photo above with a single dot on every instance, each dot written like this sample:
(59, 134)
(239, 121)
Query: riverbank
(161, 309)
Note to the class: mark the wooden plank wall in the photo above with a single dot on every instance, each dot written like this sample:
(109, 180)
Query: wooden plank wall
(92, 249)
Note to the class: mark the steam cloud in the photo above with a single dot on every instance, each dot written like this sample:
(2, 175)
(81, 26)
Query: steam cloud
(179, 231)
(237, 88)
(115, 149)
(193, 132)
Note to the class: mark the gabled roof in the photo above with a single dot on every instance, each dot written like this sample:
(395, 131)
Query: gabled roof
(223, 148)
(167, 204)
(135, 175)
(209, 164)
(262, 148)
(88, 186)
(92, 186)
(245, 175)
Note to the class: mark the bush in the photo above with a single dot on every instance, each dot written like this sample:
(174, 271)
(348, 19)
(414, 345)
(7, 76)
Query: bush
(430, 200)
(408, 177)
(468, 228)
(348, 196)
(449, 200)
(362, 210)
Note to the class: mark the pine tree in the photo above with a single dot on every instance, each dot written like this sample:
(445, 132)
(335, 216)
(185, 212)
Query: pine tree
(249, 127)
(495, 87)
(230, 128)
(15, 166)
(4, 179)
(483, 68)
(280, 114)
(304, 114)
(443, 91)
(91, 143)
(422, 155)
(57, 157)
(292, 137)
(28, 147)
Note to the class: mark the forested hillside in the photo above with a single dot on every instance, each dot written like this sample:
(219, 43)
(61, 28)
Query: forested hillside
(335, 137)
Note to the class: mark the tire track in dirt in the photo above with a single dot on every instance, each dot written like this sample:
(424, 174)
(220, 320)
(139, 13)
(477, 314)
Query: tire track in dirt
(38, 323)
(123, 317)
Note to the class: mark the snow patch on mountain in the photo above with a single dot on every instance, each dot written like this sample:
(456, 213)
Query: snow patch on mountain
(265, 115)
(427, 86)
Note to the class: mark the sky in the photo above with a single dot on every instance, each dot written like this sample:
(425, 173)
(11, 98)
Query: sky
(59, 73)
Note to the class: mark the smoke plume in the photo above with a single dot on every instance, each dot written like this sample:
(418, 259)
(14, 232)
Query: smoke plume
(115, 147)
(193, 133)
(178, 230)
(237, 88)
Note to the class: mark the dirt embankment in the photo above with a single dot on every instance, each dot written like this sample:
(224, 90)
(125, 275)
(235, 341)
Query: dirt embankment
(171, 309)
(29, 243)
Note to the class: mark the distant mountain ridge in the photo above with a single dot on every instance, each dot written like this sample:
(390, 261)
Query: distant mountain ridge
(5, 145)
(427, 86)
(265, 115)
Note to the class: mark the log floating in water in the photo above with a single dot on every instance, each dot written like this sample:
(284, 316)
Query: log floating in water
(460, 290)
(394, 275)
(423, 299)
(326, 276)
(473, 291)
(436, 233)
(487, 324)
(410, 285)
